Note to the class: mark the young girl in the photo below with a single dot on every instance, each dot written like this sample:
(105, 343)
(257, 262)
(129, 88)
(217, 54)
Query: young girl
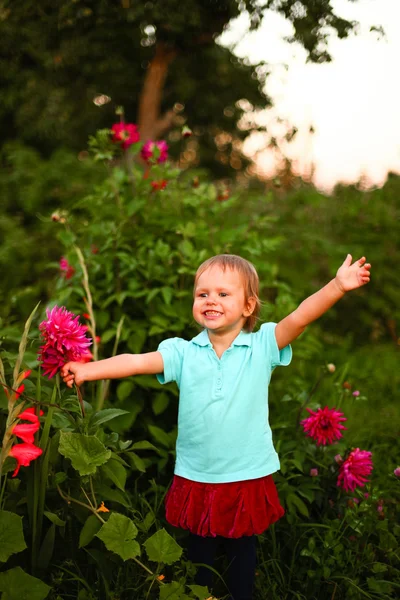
(222, 490)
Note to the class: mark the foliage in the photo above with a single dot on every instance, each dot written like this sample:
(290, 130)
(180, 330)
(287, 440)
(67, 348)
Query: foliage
(89, 509)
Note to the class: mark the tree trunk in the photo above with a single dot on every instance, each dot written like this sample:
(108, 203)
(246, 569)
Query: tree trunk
(151, 124)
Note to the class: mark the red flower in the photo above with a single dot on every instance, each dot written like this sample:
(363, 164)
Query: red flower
(324, 425)
(223, 196)
(19, 391)
(125, 133)
(24, 454)
(26, 431)
(29, 414)
(159, 185)
(354, 471)
(66, 267)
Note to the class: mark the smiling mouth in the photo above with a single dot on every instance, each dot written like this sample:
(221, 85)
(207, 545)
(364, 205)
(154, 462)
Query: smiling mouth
(212, 313)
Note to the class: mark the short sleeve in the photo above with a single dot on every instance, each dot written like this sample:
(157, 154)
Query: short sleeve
(279, 358)
(172, 352)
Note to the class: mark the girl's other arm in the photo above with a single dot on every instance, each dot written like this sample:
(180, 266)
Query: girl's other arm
(123, 365)
(349, 277)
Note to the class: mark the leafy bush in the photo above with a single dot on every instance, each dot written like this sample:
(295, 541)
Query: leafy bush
(90, 507)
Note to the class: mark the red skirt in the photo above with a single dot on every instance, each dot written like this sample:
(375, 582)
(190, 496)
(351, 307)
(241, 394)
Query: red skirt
(230, 510)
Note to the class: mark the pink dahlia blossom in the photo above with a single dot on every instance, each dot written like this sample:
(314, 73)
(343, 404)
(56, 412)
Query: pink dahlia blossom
(125, 133)
(324, 425)
(65, 339)
(354, 470)
(155, 151)
(397, 471)
(313, 472)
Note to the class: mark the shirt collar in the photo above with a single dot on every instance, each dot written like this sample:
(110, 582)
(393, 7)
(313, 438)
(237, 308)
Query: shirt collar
(243, 339)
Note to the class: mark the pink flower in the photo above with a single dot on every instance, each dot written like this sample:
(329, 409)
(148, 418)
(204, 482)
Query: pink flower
(66, 267)
(155, 151)
(354, 471)
(313, 472)
(356, 393)
(125, 133)
(397, 472)
(338, 459)
(24, 454)
(324, 425)
(65, 339)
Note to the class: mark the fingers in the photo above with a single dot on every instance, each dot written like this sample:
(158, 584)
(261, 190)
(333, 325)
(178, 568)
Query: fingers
(347, 261)
(364, 272)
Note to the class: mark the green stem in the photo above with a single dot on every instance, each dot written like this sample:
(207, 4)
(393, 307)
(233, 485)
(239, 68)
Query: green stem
(40, 480)
(33, 483)
(3, 487)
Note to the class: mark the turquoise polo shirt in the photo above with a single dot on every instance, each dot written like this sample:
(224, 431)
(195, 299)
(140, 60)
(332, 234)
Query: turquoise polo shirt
(223, 429)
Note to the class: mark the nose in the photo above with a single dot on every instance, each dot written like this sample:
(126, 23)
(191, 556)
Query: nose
(210, 300)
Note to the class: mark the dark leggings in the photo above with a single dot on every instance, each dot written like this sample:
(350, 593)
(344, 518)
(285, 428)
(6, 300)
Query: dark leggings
(241, 553)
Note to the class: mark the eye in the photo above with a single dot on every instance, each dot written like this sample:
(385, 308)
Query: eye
(223, 294)
(203, 295)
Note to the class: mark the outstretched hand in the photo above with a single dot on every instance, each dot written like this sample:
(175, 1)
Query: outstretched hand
(352, 276)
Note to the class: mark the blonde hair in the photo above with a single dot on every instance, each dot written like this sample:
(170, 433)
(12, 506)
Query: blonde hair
(249, 275)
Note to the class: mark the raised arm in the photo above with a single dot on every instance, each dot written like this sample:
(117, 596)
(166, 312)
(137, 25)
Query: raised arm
(123, 365)
(349, 277)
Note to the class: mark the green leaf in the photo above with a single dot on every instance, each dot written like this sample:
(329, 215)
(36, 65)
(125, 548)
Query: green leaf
(124, 390)
(22, 345)
(160, 403)
(85, 452)
(113, 495)
(172, 591)
(167, 294)
(116, 472)
(161, 436)
(143, 445)
(136, 461)
(102, 416)
(89, 530)
(162, 548)
(379, 567)
(200, 591)
(11, 535)
(47, 548)
(54, 518)
(118, 535)
(18, 585)
(294, 502)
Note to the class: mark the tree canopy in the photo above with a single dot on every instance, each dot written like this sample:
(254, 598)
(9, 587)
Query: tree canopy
(65, 65)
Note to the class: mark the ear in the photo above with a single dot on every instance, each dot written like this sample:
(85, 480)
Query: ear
(250, 306)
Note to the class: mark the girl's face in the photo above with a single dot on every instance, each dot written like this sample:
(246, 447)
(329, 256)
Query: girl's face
(220, 304)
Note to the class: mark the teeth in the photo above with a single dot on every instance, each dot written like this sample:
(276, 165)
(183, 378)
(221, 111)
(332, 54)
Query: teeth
(212, 313)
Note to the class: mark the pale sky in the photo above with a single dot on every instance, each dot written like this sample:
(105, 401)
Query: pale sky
(353, 103)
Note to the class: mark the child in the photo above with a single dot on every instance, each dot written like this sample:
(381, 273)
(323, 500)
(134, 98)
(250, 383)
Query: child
(223, 491)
